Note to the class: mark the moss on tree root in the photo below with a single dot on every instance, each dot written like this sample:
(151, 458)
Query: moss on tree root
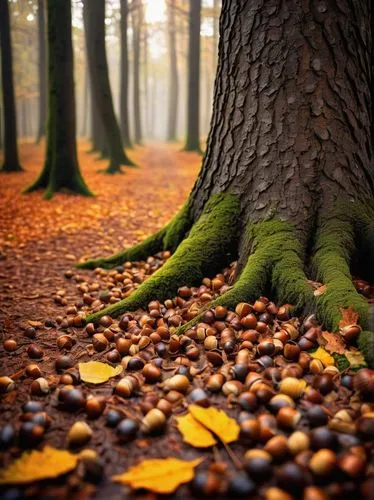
(168, 238)
(204, 251)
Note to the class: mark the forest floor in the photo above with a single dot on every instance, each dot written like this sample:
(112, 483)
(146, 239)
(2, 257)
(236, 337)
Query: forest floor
(40, 291)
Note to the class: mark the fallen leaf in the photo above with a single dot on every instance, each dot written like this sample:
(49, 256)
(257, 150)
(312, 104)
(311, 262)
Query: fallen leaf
(96, 372)
(323, 356)
(335, 342)
(320, 290)
(36, 465)
(355, 358)
(349, 317)
(216, 421)
(35, 324)
(194, 433)
(160, 475)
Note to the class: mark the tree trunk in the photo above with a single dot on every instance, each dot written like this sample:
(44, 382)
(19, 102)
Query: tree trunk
(145, 76)
(94, 13)
(124, 77)
(42, 72)
(193, 129)
(136, 35)
(287, 183)
(11, 162)
(173, 74)
(86, 91)
(1, 123)
(61, 168)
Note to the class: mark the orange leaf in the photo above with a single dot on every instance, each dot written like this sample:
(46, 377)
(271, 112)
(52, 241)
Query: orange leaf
(36, 465)
(320, 290)
(335, 343)
(160, 475)
(194, 433)
(216, 421)
(349, 317)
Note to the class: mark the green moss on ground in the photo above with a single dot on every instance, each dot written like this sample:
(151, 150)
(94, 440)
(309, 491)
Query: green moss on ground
(204, 251)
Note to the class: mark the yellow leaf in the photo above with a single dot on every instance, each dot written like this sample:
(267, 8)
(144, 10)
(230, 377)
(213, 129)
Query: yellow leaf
(37, 465)
(216, 421)
(194, 433)
(96, 372)
(355, 358)
(323, 356)
(160, 475)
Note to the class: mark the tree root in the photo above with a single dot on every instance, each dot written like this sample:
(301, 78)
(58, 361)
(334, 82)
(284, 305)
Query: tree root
(207, 247)
(168, 238)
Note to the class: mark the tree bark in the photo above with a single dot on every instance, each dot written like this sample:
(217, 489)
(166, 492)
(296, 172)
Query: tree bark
(124, 77)
(136, 37)
(173, 73)
(42, 72)
(86, 91)
(11, 162)
(94, 13)
(61, 168)
(193, 109)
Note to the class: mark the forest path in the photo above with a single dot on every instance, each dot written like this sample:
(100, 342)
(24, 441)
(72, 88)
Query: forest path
(39, 239)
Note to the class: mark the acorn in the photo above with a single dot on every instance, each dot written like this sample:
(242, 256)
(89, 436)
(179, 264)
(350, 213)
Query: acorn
(291, 477)
(33, 371)
(154, 422)
(291, 351)
(277, 447)
(292, 387)
(79, 434)
(7, 436)
(288, 417)
(151, 373)
(126, 386)
(10, 345)
(6, 384)
(274, 493)
(65, 342)
(297, 442)
(280, 401)
(316, 416)
(314, 493)
(127, 430)
(215, 382)
(72, 399)
(248, 401)
(206, 483)
(214, 358)
(178, 383)
(105, 321)
(350, 333)
(94, 406)
(31, 434)
(42, 419)
(365, 426)
(63, 363)
(34, 351)
(266, 347)
(316, 366)
(322, 437)
(364, 382)
(210, 343)
(123, 346)
(90, 329)
(199, 397)
(323, 462)
(30, 332)
(165, 406)
(99, 342)
(352, 465)
(232, 387)
(243, 309)
(241, 486)
(113, 356)
(249, 429)
(258, 468)
(32, 407)
(39, 387)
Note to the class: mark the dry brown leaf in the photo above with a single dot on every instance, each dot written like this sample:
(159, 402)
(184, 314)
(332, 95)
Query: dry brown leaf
(320, 290)
(160, 475)
(334, 342)
(323, 356)
(96, 372)
(217, 421)
(355, 358)
(195, 433)
(36, 465)
(349, 317)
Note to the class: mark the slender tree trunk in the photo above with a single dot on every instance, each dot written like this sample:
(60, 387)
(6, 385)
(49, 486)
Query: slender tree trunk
(193, 110)
(1, 121)
(124, 77)
(86, 91)
(145, 76)
(94, 14)
(11, 162)
(61, 168)
(136, 30)
(173, 74)
(42, 71)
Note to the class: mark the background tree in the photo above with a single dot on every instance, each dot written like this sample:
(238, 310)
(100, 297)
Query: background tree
(124, 76)
(287, 184)
(11, 162)
(42, 71)
(173, 73)
(61, 168)
(137, 18)
(94, 13)
(193, 104)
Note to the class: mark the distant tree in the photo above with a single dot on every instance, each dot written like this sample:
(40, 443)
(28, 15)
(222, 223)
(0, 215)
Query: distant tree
(42, 72)
(137, 19)
(86, 96)
(173, 73)
(94, 15)
(193, 101)
(1, 121)
(61, 168)
(11, 162)
(124, 76)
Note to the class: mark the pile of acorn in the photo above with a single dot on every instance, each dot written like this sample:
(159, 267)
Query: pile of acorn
(305, 428)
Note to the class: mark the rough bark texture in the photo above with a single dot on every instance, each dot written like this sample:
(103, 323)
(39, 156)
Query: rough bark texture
(11, 161)
(124, 78)
(173, 73)
(61, 168)
(42, 72)
(193, 101)
(136, 36)
(94, 15)
(86, 88)
(290, 131)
